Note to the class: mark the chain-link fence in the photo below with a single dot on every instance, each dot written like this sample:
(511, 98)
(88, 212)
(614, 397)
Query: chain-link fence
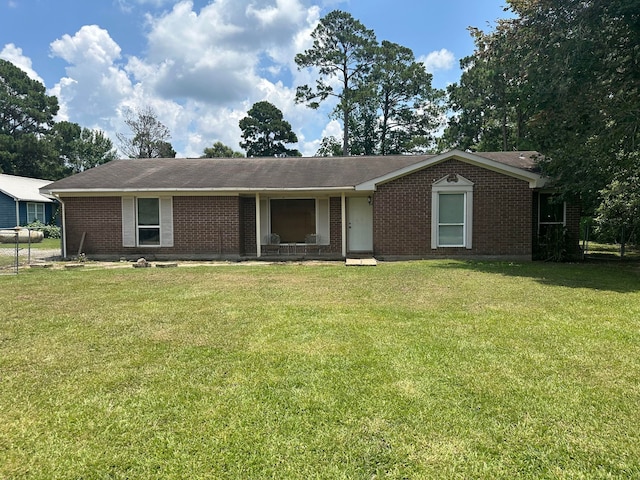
(19, 248)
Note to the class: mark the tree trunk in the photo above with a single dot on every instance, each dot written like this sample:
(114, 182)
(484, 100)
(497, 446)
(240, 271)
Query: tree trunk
(345, 136)
(504, 132)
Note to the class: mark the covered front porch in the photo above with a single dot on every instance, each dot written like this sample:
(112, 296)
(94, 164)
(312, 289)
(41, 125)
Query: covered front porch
(313, 224)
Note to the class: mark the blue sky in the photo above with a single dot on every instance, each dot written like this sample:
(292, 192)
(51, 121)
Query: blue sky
(201, 64)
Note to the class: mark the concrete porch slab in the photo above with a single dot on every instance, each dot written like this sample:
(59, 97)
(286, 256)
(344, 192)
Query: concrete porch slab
(361, 262)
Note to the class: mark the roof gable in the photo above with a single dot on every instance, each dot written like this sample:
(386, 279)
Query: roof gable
(524, 170)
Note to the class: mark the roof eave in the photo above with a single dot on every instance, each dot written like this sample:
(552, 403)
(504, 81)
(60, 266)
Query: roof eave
(236, 190)
(40, 199)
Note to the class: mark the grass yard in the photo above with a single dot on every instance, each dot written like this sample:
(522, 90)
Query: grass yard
(45, 244)
(431, 369)
(608, 251)
(8, 258)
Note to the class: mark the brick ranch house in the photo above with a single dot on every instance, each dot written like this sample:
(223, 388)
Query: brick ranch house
(455, 204)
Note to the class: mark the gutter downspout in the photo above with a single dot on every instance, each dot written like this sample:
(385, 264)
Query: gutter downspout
(64, 226)
(17, 213)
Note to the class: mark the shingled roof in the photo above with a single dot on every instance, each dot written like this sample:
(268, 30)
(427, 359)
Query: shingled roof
(253, 174)
(23, 189)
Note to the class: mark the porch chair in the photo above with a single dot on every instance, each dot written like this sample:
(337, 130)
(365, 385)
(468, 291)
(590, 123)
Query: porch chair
(272, 243)
(311, 243)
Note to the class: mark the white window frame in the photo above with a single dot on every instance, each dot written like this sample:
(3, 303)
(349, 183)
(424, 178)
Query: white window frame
(452, 184)
(130, 226)
(148, 227)
(39, 212)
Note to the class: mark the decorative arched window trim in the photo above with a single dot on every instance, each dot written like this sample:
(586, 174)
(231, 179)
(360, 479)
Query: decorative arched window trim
(450, 185)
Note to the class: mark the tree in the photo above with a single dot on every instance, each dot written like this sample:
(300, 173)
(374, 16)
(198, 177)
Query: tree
(364, 133)
(329, 147)
(586, 119)
(409, 108)
(343, 52)
(26, 115)
(80, 148)
(149, 137)
(618, 215)
(165, 150)
(562, 78)
(490, 101)
(265, 132)
(220, 150)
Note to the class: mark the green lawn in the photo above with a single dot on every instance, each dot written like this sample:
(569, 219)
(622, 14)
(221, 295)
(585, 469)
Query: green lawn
(608, 251)
(432, 369)
(45, 243)
(7, 253)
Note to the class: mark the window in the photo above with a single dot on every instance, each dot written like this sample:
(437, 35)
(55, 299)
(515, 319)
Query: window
(551, 214)
(35, 212)
(451, 219)
(293, 219)
(147, 221)
(452, 212)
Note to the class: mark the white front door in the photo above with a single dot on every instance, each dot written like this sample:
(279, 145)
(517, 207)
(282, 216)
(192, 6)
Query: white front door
(360, 224)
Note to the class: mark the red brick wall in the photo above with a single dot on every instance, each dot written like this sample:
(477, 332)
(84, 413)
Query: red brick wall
(248, 230)
(335, 224)
(574, 212)
(501, 214)
(100, 218)
(206, 225)
(202, 226)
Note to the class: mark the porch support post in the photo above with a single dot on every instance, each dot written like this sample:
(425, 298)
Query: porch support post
(344, 224)
(258, 222)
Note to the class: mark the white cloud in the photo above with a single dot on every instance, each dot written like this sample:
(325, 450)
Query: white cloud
(201, 71)
(94, 85)
(14, 55)
(438, 60)
(90, 45)
(311, 147)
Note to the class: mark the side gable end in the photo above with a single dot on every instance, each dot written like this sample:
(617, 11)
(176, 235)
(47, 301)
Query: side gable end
(535, 180)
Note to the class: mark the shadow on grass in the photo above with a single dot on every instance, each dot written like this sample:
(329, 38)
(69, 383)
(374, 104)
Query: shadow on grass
(621, 277)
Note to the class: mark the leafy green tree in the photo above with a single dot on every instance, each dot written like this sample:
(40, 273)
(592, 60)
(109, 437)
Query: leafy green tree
(587, 97)
(364, 133)
(409, 108)
(562, 77)
(618, 215)
(26, 115)
(343, 52)
(80, 148)
(96, 149)
(265, 132)
(490, 102)
(329, 147)
(165, 150)
(149, 138)
(220, 150)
